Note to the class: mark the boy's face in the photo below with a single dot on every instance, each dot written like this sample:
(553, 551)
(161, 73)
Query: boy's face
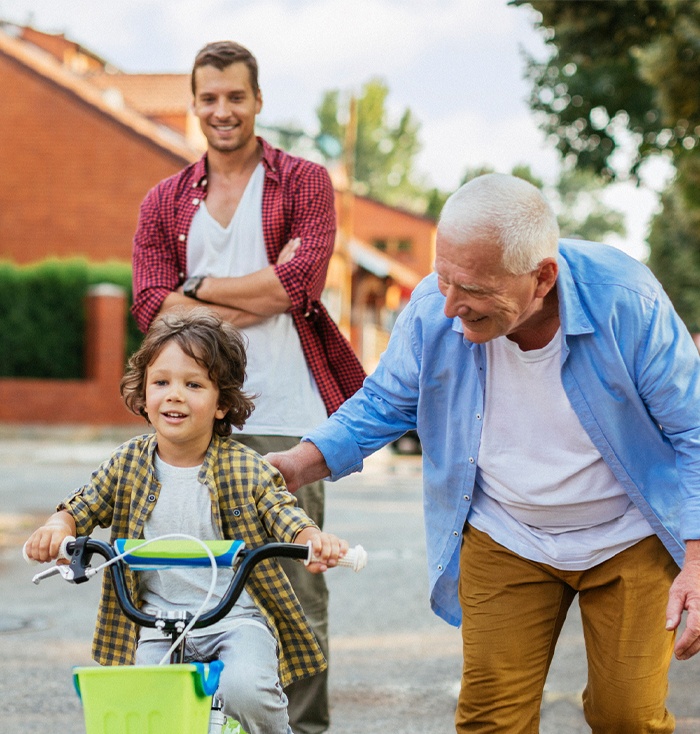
(182, 404)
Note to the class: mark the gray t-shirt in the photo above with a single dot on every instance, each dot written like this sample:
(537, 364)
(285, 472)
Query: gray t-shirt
(184, 506)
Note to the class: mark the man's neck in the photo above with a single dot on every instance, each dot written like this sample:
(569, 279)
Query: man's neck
(234, 163)
(542, 327)
(229, 173)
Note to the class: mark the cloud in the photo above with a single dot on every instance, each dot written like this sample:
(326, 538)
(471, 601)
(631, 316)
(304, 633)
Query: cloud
(344, 42)
(471, 139)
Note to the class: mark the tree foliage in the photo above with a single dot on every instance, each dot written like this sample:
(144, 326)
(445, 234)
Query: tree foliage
(622, 84)
(623, 77)
(384, 151)
(674, 242)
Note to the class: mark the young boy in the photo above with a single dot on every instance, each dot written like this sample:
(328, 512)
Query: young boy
(190, 476)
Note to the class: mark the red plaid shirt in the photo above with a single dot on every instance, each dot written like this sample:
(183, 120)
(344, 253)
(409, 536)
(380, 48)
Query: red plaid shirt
(297, 202)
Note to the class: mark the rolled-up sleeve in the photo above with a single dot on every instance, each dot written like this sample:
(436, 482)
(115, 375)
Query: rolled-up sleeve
(93, 504)
(313, 222)
(381, 411)
(154, 262)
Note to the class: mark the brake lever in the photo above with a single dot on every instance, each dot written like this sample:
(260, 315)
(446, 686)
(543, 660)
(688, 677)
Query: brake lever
(65, 571)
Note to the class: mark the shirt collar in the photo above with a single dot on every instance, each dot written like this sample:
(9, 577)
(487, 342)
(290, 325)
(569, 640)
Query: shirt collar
(206, 473)
(269, 157)
(199, 172)
(571, 312)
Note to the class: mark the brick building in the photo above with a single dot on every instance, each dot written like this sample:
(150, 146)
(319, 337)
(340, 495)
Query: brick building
(76, 165)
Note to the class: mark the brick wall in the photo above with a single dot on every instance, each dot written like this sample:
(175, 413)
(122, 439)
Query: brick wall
(73, 177)
(94, 400)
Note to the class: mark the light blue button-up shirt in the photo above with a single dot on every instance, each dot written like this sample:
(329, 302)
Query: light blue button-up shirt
(629, 368)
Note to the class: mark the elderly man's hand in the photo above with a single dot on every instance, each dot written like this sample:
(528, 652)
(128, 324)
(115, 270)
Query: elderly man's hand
(300, 465)
(685, 596)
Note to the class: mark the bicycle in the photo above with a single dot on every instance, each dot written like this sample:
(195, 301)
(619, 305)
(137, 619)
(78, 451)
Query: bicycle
(188, 690)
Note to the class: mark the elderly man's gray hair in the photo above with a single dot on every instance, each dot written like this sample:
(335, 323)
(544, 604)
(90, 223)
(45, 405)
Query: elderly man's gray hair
(511, 211)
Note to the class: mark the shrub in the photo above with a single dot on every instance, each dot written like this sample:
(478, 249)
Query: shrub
(43, 305)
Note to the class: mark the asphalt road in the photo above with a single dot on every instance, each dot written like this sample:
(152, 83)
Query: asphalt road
(395, 667)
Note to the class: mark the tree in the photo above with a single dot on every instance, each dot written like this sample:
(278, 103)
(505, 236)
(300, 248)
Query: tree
(581, 210)
(384, 152)
(622, 75)
(674, 242)
(622, 84)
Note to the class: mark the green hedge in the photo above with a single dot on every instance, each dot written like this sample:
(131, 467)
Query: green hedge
(42, 315)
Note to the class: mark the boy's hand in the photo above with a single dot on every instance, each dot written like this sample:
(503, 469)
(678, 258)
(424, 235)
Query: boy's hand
(325, 546)
(45, 542)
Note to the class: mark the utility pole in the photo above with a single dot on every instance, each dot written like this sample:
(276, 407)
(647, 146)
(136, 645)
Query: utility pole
(345, 225)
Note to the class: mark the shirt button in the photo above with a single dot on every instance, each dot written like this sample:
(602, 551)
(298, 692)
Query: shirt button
(439, 568)
(195, 202)
(471, 459)
(466, 497)
(455, 533)
(194, 185)
(181, 237)
(151, 498)
(478, 416)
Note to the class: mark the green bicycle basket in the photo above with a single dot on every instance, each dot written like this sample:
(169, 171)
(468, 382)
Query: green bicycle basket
(147, 699)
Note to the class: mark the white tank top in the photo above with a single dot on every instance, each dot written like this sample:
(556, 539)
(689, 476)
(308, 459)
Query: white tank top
(288, 402)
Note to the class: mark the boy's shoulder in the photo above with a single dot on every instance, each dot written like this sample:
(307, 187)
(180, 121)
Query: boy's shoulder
(231, 463)
(143, 443)
(227, 448)
(133, 449)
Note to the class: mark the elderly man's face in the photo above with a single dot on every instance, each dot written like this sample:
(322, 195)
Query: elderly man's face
(489, 301)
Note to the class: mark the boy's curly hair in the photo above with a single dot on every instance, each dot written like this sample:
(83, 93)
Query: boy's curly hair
(211, 342)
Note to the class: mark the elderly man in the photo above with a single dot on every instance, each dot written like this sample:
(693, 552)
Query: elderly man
(557, 397)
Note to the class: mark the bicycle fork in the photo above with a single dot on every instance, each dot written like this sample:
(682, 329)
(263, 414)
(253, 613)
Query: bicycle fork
(219, 723)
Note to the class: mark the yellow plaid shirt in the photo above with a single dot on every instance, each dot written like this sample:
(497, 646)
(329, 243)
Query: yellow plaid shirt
(249, 502)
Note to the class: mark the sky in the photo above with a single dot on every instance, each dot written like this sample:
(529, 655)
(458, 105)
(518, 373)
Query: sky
(457, 64)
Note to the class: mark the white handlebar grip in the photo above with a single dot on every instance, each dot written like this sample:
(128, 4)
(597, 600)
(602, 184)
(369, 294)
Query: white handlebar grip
(63, 550)
(355, 558)
(27, 559)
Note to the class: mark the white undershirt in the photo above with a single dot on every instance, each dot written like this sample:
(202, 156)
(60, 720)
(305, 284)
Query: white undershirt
(543, 489)
(288, 402)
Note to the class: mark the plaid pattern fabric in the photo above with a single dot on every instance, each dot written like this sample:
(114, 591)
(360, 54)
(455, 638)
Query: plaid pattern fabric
(297, 202)
(249, 502)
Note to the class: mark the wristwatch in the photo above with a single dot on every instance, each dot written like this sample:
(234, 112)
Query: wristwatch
(191, 286)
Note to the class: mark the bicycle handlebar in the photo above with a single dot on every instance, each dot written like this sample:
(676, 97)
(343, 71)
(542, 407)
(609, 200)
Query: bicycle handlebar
(79, 552)
(168, 553)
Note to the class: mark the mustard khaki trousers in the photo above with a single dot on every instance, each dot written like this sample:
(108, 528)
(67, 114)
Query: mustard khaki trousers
(513, 611)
